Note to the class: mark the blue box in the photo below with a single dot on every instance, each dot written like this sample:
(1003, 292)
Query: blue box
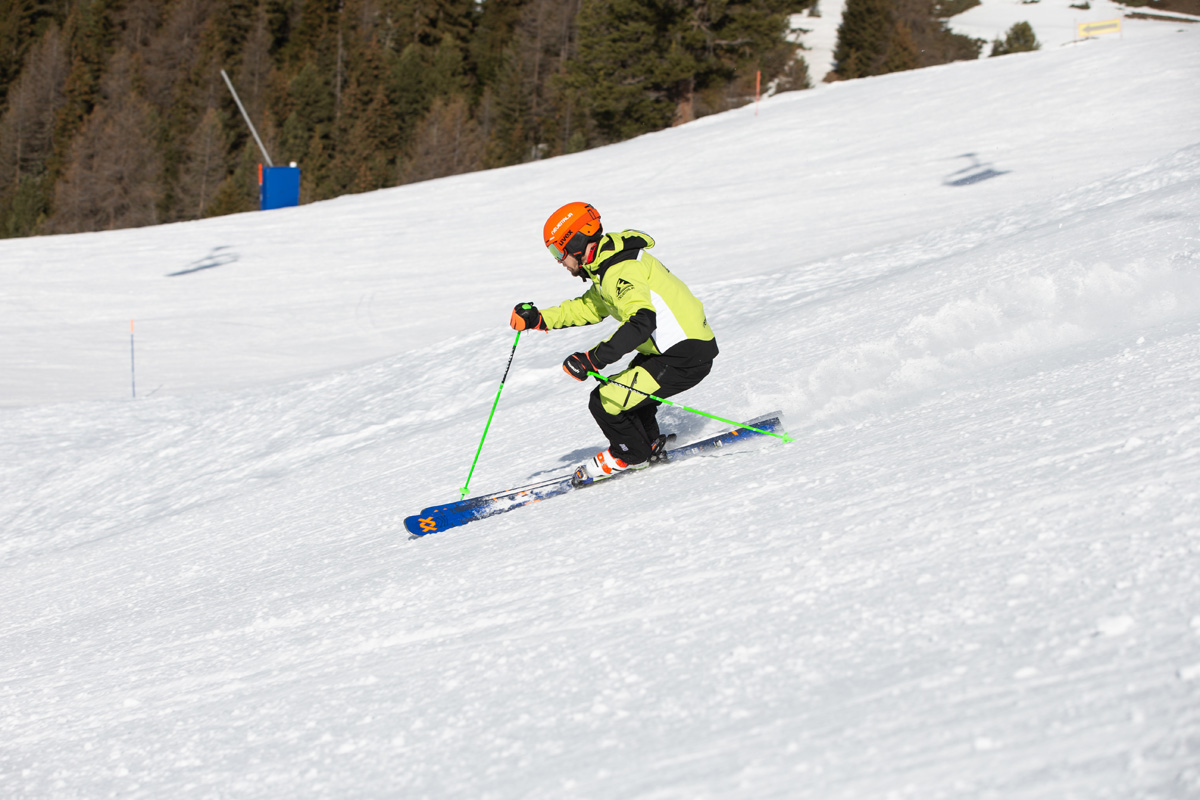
(278, 187)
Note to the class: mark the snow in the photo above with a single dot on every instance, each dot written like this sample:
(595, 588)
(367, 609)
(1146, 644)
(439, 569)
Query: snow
(974, 291)
(816, 30)
(1055, 23)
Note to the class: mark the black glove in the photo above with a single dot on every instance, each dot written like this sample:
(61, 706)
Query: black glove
(527, 317)
(578, 365)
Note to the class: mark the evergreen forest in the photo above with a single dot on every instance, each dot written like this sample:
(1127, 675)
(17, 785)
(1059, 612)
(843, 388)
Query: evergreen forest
(114, 113)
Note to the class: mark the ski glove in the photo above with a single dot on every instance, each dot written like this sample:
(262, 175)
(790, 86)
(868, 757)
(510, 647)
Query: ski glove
(578, 365)
(527, 317)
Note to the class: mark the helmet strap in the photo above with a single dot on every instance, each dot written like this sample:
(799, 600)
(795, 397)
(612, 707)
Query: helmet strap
(589, 254)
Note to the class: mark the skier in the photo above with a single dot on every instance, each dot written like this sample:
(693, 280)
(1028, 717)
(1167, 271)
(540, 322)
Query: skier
(659, 316)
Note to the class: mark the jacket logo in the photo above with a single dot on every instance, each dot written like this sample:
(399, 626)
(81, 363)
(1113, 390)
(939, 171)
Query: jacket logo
(623, 287)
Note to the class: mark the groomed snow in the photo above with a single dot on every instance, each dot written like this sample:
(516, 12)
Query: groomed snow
(974, 291)
(1055, 23)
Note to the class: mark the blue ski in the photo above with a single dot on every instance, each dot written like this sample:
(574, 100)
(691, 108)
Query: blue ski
(435, 519)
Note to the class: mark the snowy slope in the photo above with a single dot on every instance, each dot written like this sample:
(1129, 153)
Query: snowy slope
(1055, 23)
(975, 292)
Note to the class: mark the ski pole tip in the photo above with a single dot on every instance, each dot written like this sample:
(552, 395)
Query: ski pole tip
(787, 437)
(463, 492)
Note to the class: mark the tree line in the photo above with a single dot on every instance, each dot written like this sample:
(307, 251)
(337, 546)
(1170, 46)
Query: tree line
(113, 113)
(877, 37)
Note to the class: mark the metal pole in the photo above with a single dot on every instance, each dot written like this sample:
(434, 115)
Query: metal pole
(246, 117)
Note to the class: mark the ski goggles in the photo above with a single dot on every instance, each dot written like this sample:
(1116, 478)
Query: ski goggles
(575, 244)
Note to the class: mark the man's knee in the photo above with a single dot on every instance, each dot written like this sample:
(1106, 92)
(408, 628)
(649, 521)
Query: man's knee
(627, 390)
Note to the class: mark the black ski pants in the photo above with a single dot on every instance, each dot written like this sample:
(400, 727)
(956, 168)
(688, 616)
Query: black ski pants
(628, 418)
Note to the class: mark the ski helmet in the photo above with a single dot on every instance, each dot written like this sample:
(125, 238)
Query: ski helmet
(571, 229)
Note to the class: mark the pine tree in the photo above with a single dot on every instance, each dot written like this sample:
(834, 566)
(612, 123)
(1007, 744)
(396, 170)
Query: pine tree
(306, 135)
(22, 22)
(877, 37)
(253, 74)
(622, 69)
(27, 136)
(494, 30)
(233, 21)
(181, 79)
(407, 87)
(433, 20)
(27, 126)
(1020, 39)
(529, 99)
(902, 52)
(447, 142)
(507, 103)
(89, 33)
(641, 63)
(239, 191)
(934, 42)
(136, 22)
(203, 167)
(367, 134)
(731, 42)
(111, 178)
(863, 38)
(278, 15)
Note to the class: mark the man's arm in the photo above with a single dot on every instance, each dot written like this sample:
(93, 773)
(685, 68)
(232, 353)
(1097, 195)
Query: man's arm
(636, 330)
(587, 309)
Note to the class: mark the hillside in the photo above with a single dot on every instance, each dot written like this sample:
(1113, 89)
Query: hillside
(973, 290)
(1055, 22)
(115, 113)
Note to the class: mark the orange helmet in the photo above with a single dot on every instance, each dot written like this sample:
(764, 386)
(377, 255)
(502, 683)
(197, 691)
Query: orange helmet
(571, 229)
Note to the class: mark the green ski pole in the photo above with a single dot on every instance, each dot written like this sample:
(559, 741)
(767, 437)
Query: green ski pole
(783, 436)
(465, 490)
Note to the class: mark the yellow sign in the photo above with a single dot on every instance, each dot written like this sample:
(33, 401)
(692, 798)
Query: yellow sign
(1087, 29)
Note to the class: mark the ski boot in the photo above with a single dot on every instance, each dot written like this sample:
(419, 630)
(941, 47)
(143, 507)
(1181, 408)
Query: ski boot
(600, 466)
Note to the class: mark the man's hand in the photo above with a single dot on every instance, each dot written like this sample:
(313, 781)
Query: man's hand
(526, 317)
(578, 365)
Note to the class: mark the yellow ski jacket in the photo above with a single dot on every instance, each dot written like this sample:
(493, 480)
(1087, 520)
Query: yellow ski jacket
(657, 311)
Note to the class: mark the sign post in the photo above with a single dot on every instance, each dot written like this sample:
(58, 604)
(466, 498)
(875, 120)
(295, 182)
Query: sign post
(132, 371)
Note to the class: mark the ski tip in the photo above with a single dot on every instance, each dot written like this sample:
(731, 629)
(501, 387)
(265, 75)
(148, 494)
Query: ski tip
(417, 526)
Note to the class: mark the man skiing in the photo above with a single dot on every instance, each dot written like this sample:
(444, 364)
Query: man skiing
(659, 316)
